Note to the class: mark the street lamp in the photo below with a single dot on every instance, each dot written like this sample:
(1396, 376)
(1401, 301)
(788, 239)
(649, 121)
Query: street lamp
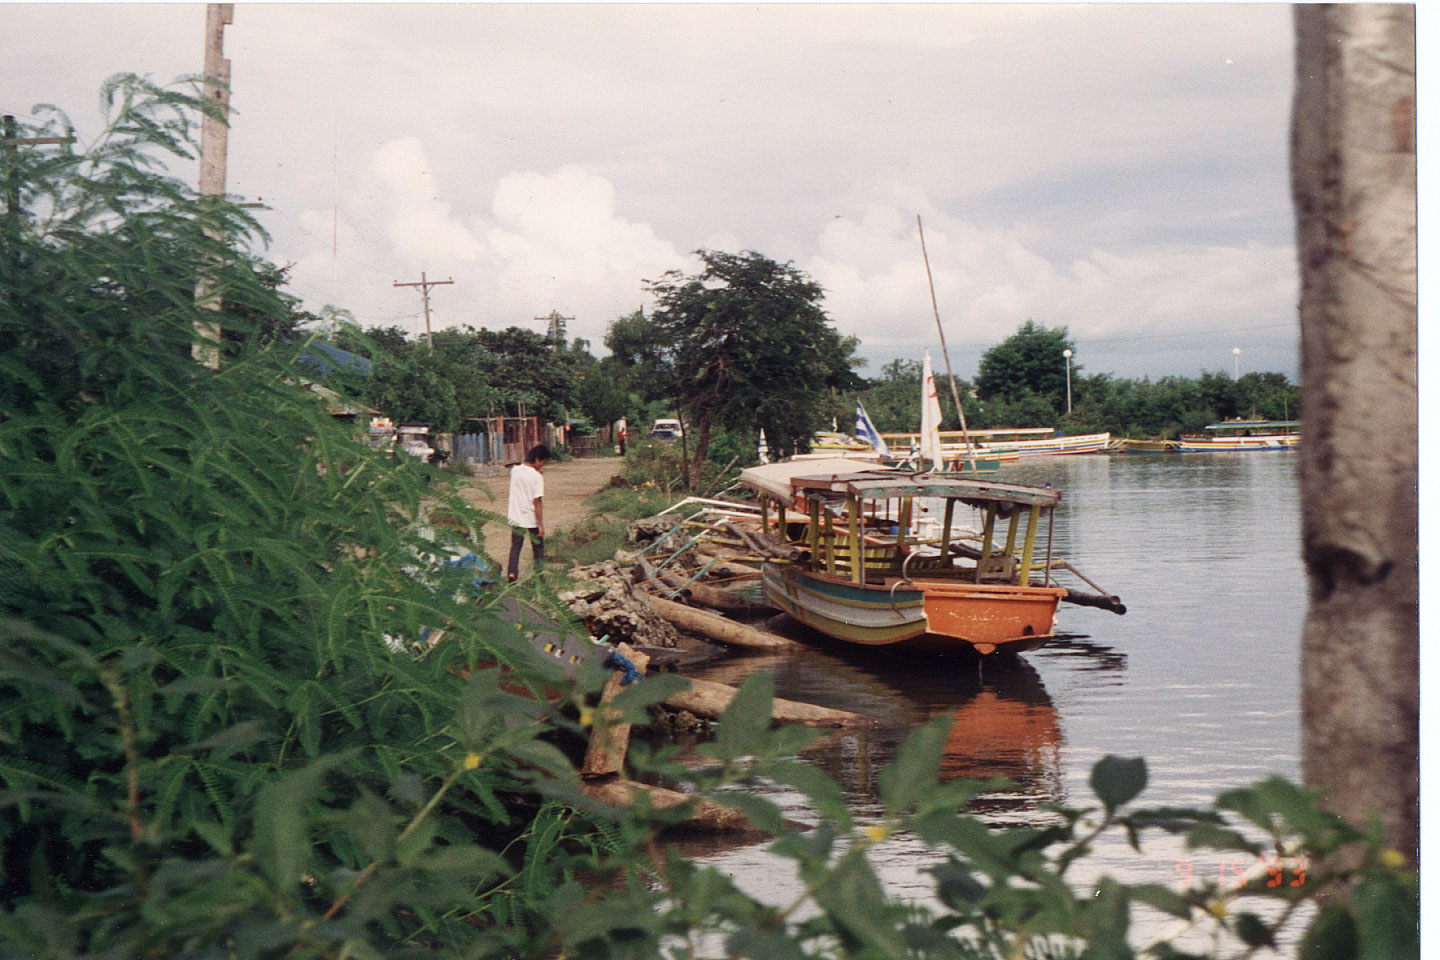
(1236, 352)
(1068, 354)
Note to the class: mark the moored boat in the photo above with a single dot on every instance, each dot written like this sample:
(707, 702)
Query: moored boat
(1133, 445)
(861, 576)
(1232, 436)
(1009, 445)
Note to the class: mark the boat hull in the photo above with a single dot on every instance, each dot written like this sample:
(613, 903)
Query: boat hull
(1237, 444)
(1054, 446)
(933, 616)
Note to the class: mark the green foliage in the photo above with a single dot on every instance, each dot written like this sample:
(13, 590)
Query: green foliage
(1029, 360)
(745, 345)
(1136, 408)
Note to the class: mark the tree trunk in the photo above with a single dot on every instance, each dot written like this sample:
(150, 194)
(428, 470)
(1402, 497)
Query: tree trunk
(1353, 176)
(702, 447)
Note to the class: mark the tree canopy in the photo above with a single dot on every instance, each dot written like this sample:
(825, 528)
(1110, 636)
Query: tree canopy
(1030, 359)
(744, 344)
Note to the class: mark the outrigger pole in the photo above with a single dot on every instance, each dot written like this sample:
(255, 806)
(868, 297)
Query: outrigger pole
(954, 390)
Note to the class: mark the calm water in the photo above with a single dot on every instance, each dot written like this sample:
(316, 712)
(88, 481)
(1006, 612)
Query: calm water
(1201, 676)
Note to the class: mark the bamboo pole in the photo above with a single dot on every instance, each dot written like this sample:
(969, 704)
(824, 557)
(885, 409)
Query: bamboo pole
(954, 390)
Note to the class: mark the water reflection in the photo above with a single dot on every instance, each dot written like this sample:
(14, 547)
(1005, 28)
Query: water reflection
(1005, 724)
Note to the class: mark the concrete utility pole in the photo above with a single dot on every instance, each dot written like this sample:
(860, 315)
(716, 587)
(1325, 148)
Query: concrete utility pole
(425, 286)
(214, 143)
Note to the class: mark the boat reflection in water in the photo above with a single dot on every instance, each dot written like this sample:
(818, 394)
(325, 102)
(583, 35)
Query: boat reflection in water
(1005, 724)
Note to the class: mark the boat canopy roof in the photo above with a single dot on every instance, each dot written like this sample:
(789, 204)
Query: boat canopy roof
(837, 477)
(1252, 424)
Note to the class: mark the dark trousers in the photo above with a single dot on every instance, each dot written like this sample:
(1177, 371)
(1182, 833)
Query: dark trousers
(517, 541)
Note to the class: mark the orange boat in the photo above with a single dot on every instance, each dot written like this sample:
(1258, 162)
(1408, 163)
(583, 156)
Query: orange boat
(862, 575)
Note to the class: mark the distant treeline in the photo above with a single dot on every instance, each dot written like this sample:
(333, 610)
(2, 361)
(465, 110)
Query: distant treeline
(1021, 383)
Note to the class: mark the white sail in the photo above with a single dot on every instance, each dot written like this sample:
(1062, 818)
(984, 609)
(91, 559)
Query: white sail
(929, 416)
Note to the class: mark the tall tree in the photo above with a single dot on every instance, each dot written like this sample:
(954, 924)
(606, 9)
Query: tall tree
(1032, 359)
(1353, 175)
(746, 345)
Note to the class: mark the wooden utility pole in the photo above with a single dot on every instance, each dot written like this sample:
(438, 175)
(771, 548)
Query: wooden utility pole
(214, 143)
(555, 326)
(425, 286)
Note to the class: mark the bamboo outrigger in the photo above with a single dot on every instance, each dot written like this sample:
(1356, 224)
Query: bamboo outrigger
(860, 576)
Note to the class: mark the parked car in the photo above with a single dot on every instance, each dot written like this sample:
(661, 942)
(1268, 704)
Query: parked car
(666, 430)
(414, 439)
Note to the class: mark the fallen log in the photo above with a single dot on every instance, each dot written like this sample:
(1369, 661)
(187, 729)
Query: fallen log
(708, 699)
(726, 601)
(707, 814)
(724, 566)
(653, 576)
(717, 628)
(609, 739)
(764, 544)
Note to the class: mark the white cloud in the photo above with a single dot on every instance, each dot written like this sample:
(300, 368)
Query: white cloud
(516, 249)
(421, 226)
(988, 282)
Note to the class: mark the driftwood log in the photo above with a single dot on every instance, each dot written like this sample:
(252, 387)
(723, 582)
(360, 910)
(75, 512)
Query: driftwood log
(610, 739)
(718, 628)
(724, 566)
(707, 698)
(707, 814)
(726, 601)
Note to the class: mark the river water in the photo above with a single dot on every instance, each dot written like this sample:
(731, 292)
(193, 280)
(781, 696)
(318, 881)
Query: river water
(1200, 676)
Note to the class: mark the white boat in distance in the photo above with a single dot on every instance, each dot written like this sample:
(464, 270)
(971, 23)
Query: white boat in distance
(1009, 444)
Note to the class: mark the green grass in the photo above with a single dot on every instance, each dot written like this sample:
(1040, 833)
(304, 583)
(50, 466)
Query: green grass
(598, 536)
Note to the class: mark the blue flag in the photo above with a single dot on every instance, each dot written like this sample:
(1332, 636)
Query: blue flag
(866, 431)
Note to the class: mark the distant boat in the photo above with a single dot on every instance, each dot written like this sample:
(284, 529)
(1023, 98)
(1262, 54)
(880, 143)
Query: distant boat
(1234, 436)
(1130, 445)
(861, 576)
(1011, 444)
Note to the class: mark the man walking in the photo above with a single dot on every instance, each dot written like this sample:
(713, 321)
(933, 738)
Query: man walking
(527, 490)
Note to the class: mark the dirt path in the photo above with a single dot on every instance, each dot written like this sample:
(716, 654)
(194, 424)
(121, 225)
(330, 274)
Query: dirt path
(567, 485)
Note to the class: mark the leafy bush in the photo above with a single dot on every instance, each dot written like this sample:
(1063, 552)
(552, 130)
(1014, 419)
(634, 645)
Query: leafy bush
(216, 600)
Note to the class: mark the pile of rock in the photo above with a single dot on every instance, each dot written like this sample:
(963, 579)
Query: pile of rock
(609, 604)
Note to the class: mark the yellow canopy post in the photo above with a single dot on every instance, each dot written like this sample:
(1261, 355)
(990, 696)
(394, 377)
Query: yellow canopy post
(1023, 577)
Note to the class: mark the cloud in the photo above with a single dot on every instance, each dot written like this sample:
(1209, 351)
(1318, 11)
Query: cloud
(420, 225)
(988, 281)
(531, 242)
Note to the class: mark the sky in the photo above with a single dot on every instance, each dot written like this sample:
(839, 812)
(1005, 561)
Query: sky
(1118, 170)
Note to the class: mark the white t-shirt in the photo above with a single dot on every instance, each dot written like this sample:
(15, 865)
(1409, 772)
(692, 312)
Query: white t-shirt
(526, 484)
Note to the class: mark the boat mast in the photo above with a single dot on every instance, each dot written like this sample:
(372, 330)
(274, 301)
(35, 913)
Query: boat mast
(954, 390)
